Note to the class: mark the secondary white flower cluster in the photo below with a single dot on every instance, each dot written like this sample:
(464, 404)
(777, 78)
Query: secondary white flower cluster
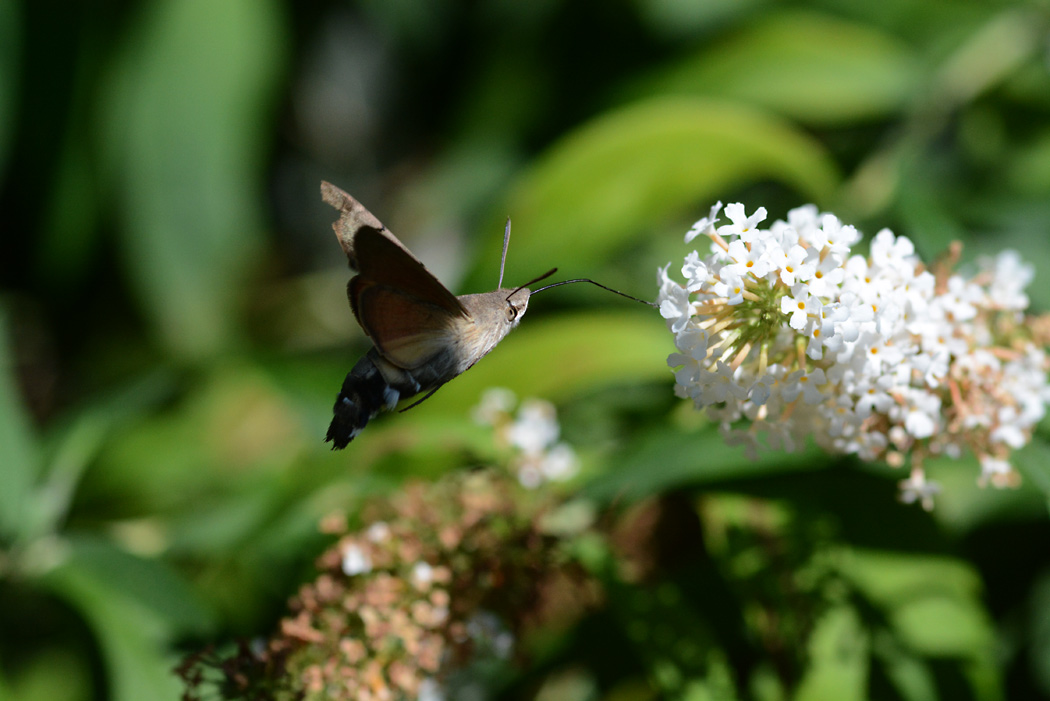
(876, 356)
(533, 434)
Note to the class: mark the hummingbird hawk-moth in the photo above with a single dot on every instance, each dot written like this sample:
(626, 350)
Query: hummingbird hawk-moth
(422, 335)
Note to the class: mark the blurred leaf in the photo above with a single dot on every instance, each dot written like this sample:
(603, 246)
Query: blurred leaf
(814, 68)
(70, 233)
(1039, 655)
(51, 674)
(667, 458)
(685, 18)
(228, 435)
(910, 675)
(1032, 462)
(1029, 168)
(838, 659)
(993, 52)
(135, 607)
(964, 506)
(184, 134)
(618, 176)
(19, 454)
(933, 601)
(10, 53)
(146, 583)
(77, 444)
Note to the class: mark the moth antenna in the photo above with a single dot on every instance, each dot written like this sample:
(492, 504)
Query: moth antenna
(533, 280)
(503, 258)
(583, 279)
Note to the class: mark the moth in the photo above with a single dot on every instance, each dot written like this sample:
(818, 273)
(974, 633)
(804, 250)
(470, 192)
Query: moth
(422, 334)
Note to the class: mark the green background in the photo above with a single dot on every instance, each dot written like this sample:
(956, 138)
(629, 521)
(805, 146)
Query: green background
(174, 328)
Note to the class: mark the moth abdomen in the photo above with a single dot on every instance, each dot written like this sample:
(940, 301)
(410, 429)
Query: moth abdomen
(366, 391)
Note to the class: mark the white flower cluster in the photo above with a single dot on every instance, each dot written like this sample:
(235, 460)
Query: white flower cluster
(879, 357)
(533, 434)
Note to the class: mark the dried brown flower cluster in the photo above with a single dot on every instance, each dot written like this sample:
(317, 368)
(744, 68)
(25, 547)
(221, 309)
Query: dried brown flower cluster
(441, 576)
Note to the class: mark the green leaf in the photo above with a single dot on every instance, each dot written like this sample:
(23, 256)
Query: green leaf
(933, 602)
(52, 673)
(1039, 605)
(228, 434)
(19, 453)
(814, 68)
(136, 608)
(964, 506)
(619, 176)
(838, 659)
(910, 675)
(77, 445)
(667, 458)
(185, 120)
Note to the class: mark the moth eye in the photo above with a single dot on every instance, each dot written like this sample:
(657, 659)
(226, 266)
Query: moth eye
(512, 312)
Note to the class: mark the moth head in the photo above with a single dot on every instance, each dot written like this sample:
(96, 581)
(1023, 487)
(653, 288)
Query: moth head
(516, 304)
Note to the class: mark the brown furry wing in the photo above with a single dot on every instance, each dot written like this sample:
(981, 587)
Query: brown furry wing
(410, 332)
(381, 259)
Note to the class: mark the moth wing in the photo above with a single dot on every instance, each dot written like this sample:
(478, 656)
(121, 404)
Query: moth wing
(380, 258)
(406, 330)
(353, 217)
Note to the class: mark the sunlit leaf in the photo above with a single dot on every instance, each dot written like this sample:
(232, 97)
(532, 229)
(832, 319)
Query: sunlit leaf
(617, 177)
(933, 602)
(910, 675)
(838, 659)
(815, 68)
(189, 100)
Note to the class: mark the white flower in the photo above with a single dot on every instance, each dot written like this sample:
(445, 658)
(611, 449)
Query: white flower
(536, 427)
(560, 464)
(378, 532)
(430, 690)
(694, 271)
(1009, 278)
(808, 384)
(742, 225)
(356, 560)
(730, 286)
(890, 360)
(674, 303)
(533, 432)
(916, 488)
(796, 264)
(799, 305)
(422, 574)
(705, 225)
(995, 470)
(747, 261)
(495, 402)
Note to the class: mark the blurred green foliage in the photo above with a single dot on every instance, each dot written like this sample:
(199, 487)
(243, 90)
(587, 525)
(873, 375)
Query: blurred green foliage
(173, 323)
